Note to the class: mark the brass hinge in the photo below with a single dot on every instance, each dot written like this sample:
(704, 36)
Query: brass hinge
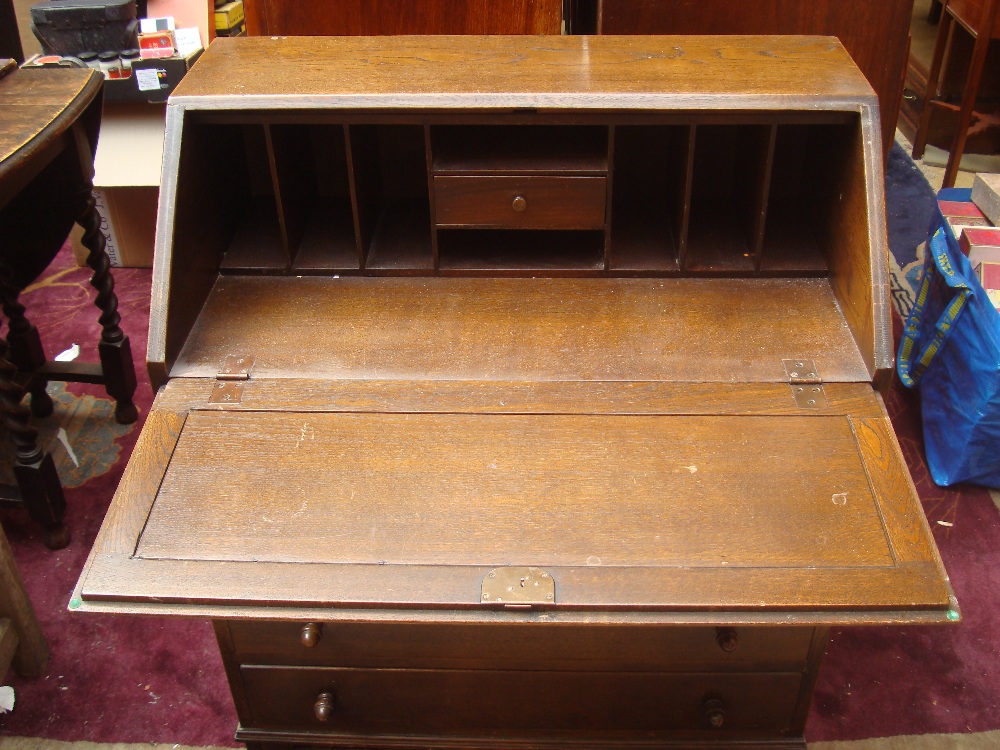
(230, 379)
(806, 383)
(518, 588)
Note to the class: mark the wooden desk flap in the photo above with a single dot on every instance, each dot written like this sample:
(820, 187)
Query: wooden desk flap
(670, 513)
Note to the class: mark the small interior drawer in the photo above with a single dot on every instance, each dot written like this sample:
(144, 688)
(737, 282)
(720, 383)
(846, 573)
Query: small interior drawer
(516, 704)
(520, 202)
(522, 646)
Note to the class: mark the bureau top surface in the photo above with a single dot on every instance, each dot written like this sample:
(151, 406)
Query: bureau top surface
(557, 72)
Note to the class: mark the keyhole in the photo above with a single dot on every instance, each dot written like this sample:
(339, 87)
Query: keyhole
(523, 581)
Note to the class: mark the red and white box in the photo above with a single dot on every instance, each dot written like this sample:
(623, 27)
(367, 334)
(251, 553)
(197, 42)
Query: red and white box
(157, 44)
(962, 214)
(989, 277)
(981, 244)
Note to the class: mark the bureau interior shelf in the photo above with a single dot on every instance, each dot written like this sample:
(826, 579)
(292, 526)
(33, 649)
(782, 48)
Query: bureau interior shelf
(678, 194)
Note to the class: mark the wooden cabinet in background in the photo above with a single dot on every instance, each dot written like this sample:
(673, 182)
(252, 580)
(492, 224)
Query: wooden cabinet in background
(391, 17)
(875, 32)
(520, 391)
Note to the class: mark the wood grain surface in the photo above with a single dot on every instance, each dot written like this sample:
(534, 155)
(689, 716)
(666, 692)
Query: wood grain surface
(521, 646)
(545, 202)
(666, 72)
(33, 99)
(39, 107)
(523, 329)
(385, 17)
(517, 490)
(505, 397)
(506, 704)
(874, 33)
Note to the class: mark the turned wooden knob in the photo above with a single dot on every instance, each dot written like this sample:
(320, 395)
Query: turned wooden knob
(311, 633)
(727, 639)
(715, 712)
(323, 707)
(519, 204)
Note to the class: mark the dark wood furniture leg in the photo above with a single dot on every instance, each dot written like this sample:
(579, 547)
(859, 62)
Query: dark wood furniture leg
(933, 76)
(10, 40)
(973, 78)
(34, 469)
(983, 34)
(31, 653)
(114, 348)
(26, 351)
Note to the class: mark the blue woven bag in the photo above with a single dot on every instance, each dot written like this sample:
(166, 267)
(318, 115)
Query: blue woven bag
(951, 351)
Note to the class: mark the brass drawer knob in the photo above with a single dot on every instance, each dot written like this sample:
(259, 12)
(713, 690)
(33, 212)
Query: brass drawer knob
(519, 203)
(311, 633)
(727, 638)
(715, 712)
(323, 707)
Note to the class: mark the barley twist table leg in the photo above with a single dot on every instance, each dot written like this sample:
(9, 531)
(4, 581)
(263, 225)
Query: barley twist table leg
(114, 348)
(34, 469)
(26, 351)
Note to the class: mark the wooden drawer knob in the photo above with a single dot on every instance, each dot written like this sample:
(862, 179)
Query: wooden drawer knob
(727, 638)
(519, 203)
(715, 712)
(311, 633)
(323, 707)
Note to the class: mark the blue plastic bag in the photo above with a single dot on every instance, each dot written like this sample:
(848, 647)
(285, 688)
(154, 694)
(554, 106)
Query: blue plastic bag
(951, 350)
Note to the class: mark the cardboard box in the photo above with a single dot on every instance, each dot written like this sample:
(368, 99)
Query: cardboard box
(239, 29)
(986, 195)
(157, 45)
(989, 277)
(981, 244)
(186, 13)
(962, 214)
(229, 15)
(127, 182)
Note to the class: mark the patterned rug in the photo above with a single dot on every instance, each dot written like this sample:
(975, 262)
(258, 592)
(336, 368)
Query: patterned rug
(137, 680)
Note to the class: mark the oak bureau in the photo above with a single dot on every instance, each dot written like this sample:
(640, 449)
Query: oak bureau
(520, 391)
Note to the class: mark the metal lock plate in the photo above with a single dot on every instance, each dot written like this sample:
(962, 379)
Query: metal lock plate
(518, 586)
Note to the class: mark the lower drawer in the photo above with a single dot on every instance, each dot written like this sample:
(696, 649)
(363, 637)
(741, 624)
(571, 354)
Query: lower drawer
(515, 704)
(521, 646)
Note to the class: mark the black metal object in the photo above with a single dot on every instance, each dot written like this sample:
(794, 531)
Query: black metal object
(69, 27)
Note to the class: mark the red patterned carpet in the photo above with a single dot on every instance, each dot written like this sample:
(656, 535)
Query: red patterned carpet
(110, 679)
(123, 679)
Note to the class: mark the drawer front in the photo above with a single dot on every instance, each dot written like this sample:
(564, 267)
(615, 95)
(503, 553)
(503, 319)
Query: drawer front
(520, 202)
(516, 704)
(521, 646)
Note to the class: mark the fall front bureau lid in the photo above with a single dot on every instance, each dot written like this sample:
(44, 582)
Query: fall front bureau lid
(685, 511)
